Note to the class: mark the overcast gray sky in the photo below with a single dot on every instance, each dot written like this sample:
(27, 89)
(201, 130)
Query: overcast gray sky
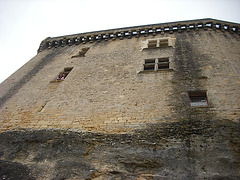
(25, 23)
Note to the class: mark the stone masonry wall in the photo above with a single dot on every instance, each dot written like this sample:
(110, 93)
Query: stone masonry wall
(107, 90)
(110, 119)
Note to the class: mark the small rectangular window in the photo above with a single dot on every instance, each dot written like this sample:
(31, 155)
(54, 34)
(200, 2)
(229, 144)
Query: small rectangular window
(62, 75)
(149, 61)
(163, 63)
(67, 71)
(198, 98)
(152, 43)
(163, 42)
(149, 65)
(156, 64)
(156, 43)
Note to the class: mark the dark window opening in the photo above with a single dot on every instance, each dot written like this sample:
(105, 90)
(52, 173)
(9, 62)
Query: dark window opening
(62, 75)
(198, 98)
(149, 65)
(163, 63)
(41, 108)
(149, 61)
(156, 64)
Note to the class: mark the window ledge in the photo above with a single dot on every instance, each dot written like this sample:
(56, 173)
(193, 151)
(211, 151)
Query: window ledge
(202, 107)
(56, 81)
(149, 48)
(156, 71)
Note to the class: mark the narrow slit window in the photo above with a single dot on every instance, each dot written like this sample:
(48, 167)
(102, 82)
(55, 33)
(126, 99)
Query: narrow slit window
(198, 98)
(41, 108)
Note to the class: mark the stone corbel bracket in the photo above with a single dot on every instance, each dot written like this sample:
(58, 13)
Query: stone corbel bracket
(137, 31)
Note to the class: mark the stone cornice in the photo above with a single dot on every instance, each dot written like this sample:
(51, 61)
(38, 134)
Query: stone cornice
(137, 31)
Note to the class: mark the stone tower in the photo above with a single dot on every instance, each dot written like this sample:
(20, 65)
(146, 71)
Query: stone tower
(158, 101)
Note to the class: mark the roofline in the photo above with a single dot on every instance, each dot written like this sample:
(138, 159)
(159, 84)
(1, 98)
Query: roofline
(161, 24)
(168, 26)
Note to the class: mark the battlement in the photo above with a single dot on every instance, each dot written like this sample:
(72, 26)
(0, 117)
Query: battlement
(137, 31)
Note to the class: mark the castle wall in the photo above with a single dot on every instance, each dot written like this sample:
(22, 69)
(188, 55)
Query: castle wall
(147, 102)
(108, 90)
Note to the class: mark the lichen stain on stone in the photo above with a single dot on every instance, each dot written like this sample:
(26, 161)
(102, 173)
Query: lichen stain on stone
(187, 149)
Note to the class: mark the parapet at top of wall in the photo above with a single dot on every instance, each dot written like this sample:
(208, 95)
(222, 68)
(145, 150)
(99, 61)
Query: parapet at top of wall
(137, 31)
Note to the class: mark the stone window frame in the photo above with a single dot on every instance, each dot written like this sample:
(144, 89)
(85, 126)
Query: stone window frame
(65, 71)
(149, 64)
(163, 42)
(156, 64)
(158, 43)
(198, 98)
(163, 63)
